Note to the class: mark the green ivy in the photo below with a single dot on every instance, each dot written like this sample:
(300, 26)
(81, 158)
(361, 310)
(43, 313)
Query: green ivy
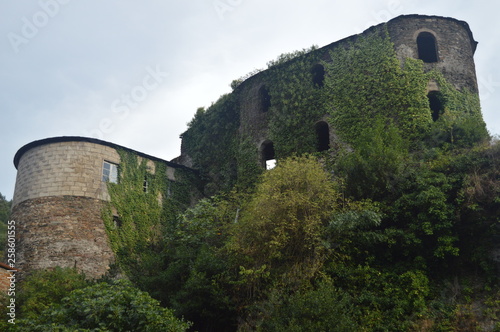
(138, 214)
(364, 80)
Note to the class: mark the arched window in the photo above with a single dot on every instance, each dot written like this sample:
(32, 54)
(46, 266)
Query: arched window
(318, 75)
(265, 99)
(427, 48)
(268, 157)
(435, 104)
(322, 136)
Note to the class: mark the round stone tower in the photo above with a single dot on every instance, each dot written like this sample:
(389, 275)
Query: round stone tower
(442, 43)
(60, 189)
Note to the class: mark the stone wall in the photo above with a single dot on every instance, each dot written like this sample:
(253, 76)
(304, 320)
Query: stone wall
(455, 46)
(63, 168)
(64, 231)
(58, 200)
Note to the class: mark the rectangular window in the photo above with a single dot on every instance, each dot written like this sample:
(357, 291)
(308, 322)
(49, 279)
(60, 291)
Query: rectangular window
(145, 184)
(109, 172)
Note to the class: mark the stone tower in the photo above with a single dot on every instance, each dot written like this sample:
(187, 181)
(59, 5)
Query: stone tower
(260, 112)
(57, 205)
(61, 182)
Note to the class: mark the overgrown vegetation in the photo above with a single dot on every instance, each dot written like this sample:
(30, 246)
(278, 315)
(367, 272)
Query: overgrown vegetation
(62, 300)
(391, 229)
(5, 206)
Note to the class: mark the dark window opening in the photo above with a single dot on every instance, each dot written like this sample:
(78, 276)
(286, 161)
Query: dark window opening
(268, 155)
(318, 75)
(145, 184)
(435, 104)
(322, 136)
(427, 50)
(117, 222)
(265, 99)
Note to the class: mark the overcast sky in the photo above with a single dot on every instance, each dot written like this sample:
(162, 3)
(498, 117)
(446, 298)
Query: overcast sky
(134, 72)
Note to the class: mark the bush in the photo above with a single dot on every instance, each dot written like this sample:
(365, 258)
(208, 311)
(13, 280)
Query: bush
(44, 288)
(107, 307)
(314, 310)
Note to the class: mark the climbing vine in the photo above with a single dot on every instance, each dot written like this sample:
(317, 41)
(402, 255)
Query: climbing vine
(141, 207)
(363, 80)
(460, 120)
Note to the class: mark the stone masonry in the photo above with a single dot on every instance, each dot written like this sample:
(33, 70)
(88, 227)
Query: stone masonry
(58, 202)
(63, 168)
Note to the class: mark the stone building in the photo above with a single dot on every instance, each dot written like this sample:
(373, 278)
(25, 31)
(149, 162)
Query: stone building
(61, 182)
(257, 112)
(61, 186)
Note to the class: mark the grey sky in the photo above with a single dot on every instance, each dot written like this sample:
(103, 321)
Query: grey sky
(134, 73)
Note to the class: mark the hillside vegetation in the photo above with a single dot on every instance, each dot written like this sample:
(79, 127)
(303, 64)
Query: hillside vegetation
(392, 229)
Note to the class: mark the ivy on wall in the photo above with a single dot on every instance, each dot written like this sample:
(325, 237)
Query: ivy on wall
(460, 121)
(142, 206)
(212, 142)
(366, 81)
(363, 80)
(296, 105)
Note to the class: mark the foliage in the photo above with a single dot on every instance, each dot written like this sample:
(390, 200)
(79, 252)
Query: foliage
(193, 279)
(297, 104)
(361, 237)
(287, 57)
(211, 142)
(385, 300)
(460, 122)
(5, 207)
(367, 82)
(375, 168)
(235, 83)
(314, 310)
(142, 205)
(279, 234)
(44, 288)
(135, 232)
(106, 307)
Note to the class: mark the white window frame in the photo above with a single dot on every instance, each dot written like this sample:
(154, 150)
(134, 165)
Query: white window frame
(109, 172)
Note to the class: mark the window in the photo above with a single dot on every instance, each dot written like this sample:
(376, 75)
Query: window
(109, 172)
(318, 75)
(267, 155)
(270, 164)
(427, 49)
(322, 136)
(265, 99)
(145, 187)
(435, 104)
(169, 188)
(117, 222)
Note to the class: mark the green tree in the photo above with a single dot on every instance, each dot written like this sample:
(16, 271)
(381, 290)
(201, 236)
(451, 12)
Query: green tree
(194, 281)
(321, 309)
(44, 288)
(278, 240)
(377, 165)
(106, 307)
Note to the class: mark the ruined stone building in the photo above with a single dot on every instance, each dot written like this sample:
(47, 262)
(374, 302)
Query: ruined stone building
(286, 109)
(61, 186)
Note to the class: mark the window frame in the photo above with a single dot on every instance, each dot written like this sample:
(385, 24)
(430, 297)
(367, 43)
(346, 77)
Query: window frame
(109, 172)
